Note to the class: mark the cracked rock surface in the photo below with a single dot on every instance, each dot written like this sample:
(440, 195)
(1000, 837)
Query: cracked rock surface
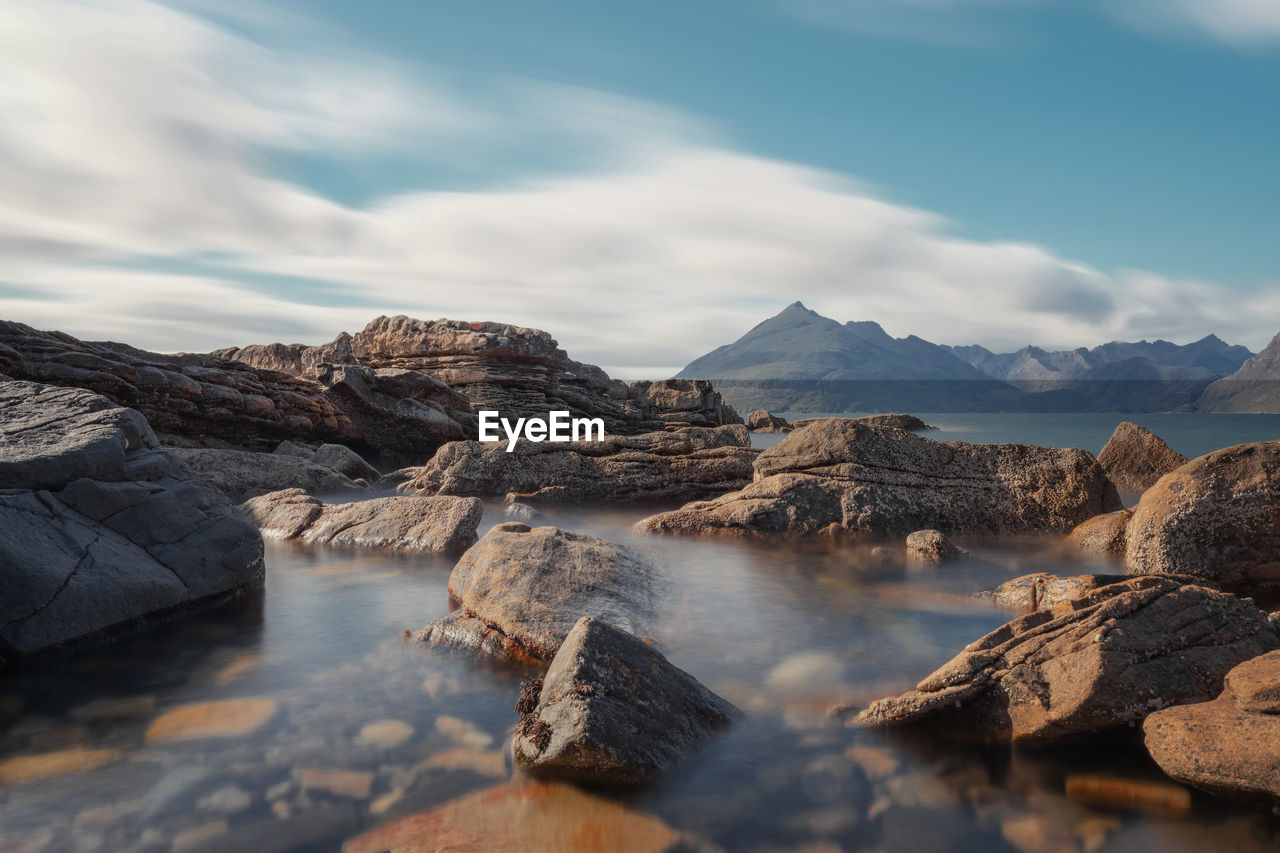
(98, 526)
(837, 476)
(1110, 657)
(520, 591)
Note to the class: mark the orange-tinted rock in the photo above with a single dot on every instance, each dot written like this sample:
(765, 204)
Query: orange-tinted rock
(1135, 458)
(762, 421)
(1128, 795)
(355, 784)
(1102, 534)
(530, 817)
(1042, 591)
(31, 768)
(227, 718)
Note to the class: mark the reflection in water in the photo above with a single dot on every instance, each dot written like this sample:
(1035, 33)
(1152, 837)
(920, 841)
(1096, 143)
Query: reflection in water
(302, 717)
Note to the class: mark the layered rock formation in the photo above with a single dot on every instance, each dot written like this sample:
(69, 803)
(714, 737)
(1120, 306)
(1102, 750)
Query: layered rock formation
(612, 709)
(204, 400)
(98, 526)
(1108, 658)
(417, 525)
(521, 590)
(517, 371)
(238, 475)
(1134, 458)
(1041, 591)
(844, 477)
(681, 465)
(762, 421)
(1216, 517)
(1231, 745)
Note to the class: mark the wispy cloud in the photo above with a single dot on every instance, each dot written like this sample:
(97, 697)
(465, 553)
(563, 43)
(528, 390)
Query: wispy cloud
(136, 203)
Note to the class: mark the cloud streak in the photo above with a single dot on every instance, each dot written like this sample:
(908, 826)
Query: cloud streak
(137, 202)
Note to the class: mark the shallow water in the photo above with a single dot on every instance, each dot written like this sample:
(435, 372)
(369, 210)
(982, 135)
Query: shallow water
(783, 632)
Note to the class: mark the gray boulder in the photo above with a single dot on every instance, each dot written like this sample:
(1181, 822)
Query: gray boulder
(522, 589)
(346, 462)
(612, 709)
(1134, 458)
(238, 475)
(418, 525)
(98, 526)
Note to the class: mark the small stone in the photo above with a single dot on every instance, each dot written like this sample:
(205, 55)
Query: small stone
(878, 761)
(805, 671)
(386, 734)
(228, 718)
(226, 800)
(341, 783)
(189, 838)
(482, 762)
(239, 666)
(31, 768)
(463, 733)
(1156, 798)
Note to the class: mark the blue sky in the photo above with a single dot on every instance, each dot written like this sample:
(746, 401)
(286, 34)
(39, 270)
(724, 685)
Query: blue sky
(644, 180)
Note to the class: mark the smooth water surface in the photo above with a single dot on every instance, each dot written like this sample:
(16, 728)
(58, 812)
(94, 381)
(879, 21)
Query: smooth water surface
(366, 727)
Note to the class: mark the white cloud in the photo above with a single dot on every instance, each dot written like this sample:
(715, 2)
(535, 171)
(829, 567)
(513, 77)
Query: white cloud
(135, 132)
(1247, 23)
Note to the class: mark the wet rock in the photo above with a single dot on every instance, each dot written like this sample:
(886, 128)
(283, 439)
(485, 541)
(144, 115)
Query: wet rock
(1216, 517)
(1042, 591)
(522, 589)
(679, 465)
(532, 816)
(238, 475)
(612, 709)
(31, 768)
(386, 734)
(932, 546)
(1111, 657)
(1231, 745)
(1113, 792)
(225, 718)
(1102, 534)
(345, 461)
(98, 526)
(199, 836)
(464, 733)
(516, 511)
(1134, 458)
(418, 525)
(482, 762)
(211, 401)
(843, 477)
(761, 421)
(805, 671)
(226, 800)
(354, 784)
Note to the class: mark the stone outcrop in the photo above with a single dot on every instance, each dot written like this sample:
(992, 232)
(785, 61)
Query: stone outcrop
(1217, 518)
(98, 525)
(844, 477)
(1042, 591)
(677, 465)
(1255, 387)
(762, 421)
(345, 461)
(517, 371)
(1229, 746)
(1134, 458)
(908, 422)
(1108, 658)
(1102, 534)
(612, 709)
(520, 591)
(238, 475)
(418, 525)
(932, 547)
(208, 401)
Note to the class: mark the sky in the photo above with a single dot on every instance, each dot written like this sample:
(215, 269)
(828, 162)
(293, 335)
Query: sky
(646, 181)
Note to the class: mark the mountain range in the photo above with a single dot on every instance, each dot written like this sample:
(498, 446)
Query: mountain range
(800, 360)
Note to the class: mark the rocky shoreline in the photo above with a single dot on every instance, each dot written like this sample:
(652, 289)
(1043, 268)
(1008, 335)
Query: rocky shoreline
(133, 485)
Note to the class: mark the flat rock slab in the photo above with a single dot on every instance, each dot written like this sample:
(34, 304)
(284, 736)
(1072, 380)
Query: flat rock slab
(845, 477)
(1216, 517)
(417, 525)
(676, 465)
(242, 474)
(225, 718)
(1108, 658)
(522, 589)
(613, 709)
(1231, 745)
(98, 526)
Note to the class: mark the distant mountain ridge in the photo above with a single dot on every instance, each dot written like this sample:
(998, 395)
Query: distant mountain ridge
(800, 360)
(1255, 387)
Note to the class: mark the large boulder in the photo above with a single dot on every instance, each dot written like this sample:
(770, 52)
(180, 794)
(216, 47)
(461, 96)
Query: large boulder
(517, 371)
(344, 460)
(932, 547)
(1102, 534)
(846, 477)
(1216, 517)
(1108, 658)
(212, 401)
(1134, 458)
(418, 525)
(678, 465)
(98, 526)
(238, 475)
(612, 709)
(1229, 746)
(520, 591)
